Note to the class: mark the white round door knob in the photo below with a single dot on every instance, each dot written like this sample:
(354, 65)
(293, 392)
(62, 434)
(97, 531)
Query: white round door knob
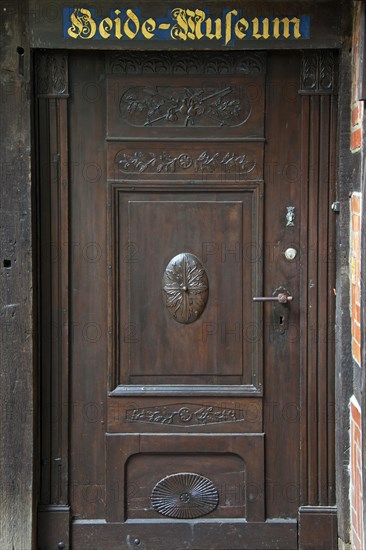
(290, 254)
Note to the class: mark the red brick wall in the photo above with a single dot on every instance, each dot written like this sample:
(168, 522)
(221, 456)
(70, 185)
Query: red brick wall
(356, 129)
(357, 146)
(357, 106)
(355, 274)
(357, 536)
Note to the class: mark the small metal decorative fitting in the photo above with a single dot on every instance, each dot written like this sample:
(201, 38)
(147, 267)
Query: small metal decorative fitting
(290, 216)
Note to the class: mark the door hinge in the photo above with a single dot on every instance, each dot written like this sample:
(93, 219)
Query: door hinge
(336, 207)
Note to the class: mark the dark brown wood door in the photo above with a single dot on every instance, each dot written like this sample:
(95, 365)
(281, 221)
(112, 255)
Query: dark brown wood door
(175, 188)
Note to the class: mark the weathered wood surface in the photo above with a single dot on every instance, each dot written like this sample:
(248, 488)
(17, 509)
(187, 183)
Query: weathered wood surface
(16, 298)
(343, 356)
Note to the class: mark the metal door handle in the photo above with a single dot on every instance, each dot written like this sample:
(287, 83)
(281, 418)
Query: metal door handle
(281, 298)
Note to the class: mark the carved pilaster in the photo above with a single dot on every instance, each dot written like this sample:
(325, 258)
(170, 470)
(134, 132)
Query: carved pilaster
(52, 74)
(52, 150)
(317, 72)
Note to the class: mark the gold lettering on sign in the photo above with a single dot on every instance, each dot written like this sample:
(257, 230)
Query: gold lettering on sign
(118, 25)
(284, 23)
(105, 26)
(148, 28)
(182, 24)
(82, 24)
(179, 30)
(131, 31)
(241, 28)
(265, 28)
(217, 33)
(228, 25)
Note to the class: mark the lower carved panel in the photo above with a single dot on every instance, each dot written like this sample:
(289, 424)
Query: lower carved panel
(185, 476)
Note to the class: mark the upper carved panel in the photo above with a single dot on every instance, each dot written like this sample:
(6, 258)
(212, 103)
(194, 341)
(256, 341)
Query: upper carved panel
(154, 100)
(183, 107)
(180, 63)
(318, 72)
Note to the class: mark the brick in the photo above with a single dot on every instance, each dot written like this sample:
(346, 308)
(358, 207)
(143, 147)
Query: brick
(355, 414)
(356, 353)
(356, 246)
(353, 466)
(357, 313)
(355, 204)
(356, 139)
(353, 294)
(356, 438)
(357, 332)
(355, 115)
(354, 522)
(355, 222)
(356, 476)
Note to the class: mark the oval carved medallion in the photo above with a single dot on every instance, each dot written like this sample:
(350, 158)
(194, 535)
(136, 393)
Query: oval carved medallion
(185, 288)
(184, 496)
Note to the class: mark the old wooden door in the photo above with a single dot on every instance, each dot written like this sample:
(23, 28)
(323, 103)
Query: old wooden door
(177, 412)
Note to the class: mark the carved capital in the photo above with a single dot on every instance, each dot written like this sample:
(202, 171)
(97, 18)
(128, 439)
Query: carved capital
(52, 74)
(317, 72)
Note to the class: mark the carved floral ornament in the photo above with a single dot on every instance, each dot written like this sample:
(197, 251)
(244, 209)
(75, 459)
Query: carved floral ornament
(185, 288)
(167, 162)
(185, 414)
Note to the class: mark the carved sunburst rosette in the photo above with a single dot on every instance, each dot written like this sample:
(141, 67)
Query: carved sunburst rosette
(184, 496)
(185, 288)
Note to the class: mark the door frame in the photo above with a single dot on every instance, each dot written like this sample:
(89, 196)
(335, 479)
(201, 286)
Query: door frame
(52, 96)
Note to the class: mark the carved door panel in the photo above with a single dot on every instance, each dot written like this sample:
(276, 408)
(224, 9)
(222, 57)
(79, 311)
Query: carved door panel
(190, 176)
